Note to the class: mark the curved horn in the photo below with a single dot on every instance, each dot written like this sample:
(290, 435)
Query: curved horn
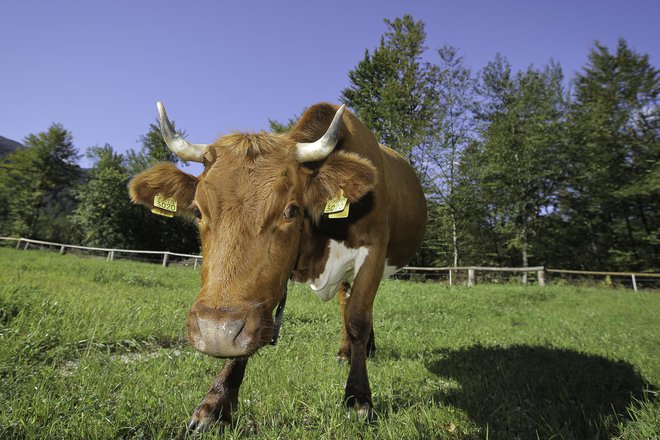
(319, 150)
(179, 146)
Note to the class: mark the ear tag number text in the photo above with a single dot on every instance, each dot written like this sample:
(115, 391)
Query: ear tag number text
(164, 206)
(337, 207)
(163, 203)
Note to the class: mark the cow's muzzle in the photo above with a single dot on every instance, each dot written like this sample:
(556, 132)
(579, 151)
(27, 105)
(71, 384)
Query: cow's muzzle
(227, 332)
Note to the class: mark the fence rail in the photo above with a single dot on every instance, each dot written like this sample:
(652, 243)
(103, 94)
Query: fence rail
(111, 252)
(451, 271)
(472, 270)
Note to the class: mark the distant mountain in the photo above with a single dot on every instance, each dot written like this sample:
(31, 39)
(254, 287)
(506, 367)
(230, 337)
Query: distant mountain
(7, 145)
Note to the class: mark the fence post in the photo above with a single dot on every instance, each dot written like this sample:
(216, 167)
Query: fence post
(27, 245)
(111, 255)
(634, 281)
(471, 279)
(62, 249)
(450, 277)
(195, 264)
(165, 254)
(540, 275)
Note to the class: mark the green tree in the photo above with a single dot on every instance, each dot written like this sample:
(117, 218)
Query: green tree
(612, 184)
(282, 127)
(37, 185)
(104, 216)
(522, 135)
(153, 150)
(451, 132)
(392, 89)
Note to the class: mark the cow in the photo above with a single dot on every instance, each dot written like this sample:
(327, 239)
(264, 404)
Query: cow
(323, 204)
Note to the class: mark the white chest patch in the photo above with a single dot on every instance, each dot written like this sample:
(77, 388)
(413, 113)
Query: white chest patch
(342, 265)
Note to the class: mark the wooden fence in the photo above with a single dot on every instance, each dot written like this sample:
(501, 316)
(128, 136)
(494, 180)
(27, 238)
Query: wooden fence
(472, 270)
(632, 275)
(452, 272)
(111, 253)
(541, 272)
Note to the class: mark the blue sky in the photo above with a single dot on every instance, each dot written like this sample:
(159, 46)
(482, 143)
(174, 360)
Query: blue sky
(98, 67)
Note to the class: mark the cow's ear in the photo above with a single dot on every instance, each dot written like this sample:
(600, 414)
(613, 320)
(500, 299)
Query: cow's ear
(168, 182)
(345, 171)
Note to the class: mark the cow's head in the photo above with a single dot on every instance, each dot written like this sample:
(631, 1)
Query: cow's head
(251, 201)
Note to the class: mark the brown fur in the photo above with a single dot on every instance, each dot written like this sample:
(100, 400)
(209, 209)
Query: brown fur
(251, 247)
(355, 175)
(165, 179)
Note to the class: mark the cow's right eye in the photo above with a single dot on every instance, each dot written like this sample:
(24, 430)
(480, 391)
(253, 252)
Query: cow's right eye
(197, 212)
(291, 212)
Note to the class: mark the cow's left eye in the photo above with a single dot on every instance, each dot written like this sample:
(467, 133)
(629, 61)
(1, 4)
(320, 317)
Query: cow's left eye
(197, 212)
(291, 212)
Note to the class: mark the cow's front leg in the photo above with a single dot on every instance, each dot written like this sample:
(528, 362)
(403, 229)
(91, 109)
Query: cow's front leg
(344, 353)
(359, 327)
(222, 398)
(343, 295)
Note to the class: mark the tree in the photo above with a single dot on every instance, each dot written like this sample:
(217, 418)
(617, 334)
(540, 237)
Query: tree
(522, 135)
(104, 216)
(282, 127)
(37, 185)
(152, 151)
(391, 89)
(611, 189)
(451, 132)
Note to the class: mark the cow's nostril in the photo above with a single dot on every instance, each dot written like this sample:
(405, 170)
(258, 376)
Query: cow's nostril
(234, 328)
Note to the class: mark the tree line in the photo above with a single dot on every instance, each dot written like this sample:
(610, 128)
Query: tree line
(523, 167)
(519, 167)
(46, 195)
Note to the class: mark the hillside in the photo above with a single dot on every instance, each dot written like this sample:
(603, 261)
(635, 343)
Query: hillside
(8, 145)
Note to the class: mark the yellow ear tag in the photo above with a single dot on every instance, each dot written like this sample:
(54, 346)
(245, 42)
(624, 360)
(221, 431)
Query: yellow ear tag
(162, 212)
(167, 204)
(164, 206)
(342, 214)
(337, 207)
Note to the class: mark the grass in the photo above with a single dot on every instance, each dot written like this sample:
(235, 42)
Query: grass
(91, 349)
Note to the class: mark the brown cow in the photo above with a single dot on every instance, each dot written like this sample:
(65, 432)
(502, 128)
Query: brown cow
(269, 207)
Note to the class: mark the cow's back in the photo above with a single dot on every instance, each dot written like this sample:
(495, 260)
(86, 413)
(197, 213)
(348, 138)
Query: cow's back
(406, 206)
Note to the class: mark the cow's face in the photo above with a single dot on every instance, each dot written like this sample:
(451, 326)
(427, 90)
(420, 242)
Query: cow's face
(250, 203)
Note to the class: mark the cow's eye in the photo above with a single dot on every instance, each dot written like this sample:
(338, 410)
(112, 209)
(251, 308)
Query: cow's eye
(197, 212)
(291, 212)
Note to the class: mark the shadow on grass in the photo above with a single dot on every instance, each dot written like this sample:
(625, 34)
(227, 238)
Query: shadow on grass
(532, 392)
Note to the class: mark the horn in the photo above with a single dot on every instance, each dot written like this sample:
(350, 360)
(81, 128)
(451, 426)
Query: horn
(179, 146)
(319, 150)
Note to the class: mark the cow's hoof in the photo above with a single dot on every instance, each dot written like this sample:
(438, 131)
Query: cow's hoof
(203, 420)
(364, 412)
(201, 425)
(343, 357)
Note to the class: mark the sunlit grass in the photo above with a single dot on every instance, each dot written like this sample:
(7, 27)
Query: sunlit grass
(92, 349)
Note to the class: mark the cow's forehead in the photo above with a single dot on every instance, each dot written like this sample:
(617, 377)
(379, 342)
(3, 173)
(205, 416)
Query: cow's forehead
(248, 175)
(236, 179)
(242, 148)
(263, 157)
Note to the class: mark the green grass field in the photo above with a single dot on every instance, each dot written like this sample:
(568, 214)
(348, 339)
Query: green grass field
(92, 349)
